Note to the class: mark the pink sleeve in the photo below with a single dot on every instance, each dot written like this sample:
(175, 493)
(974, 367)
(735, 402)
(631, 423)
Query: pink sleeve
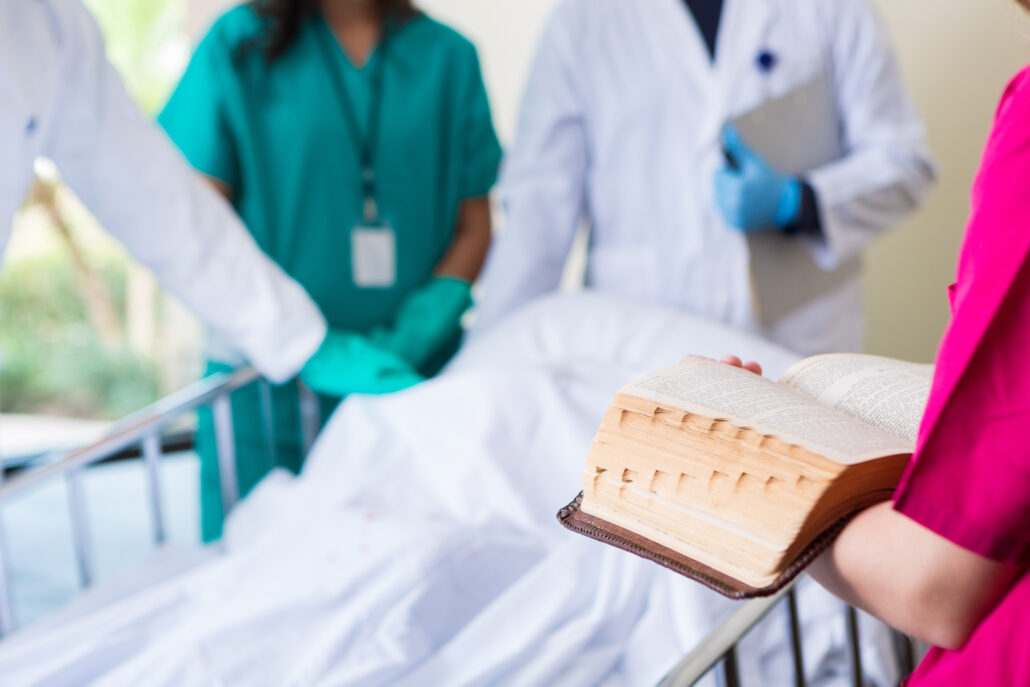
(970, 480)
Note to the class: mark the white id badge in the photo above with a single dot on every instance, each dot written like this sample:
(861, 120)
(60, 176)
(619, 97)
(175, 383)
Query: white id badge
(374, 256)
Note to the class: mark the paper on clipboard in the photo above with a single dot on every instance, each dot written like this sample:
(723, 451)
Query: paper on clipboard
(795, 133)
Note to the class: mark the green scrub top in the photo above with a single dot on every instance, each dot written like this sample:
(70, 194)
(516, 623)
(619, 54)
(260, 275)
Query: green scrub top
(277, 134)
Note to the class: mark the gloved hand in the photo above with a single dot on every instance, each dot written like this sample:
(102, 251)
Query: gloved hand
(427, 320)
(348, 363)
(754, 197)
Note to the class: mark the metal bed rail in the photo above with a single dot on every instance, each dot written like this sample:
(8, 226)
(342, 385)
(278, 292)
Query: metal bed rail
(143, 431)
(719, 648)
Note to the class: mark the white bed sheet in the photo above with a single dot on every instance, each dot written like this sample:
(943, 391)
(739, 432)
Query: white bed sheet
(420, 546)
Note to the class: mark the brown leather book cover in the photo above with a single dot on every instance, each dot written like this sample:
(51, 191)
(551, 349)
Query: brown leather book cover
(603, 531)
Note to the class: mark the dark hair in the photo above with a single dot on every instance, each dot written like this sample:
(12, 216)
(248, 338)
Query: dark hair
(286, 17)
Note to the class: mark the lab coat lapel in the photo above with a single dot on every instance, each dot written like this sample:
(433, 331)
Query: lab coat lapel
(743, 34)
(742, 30)
(681, 42)
(677, 24)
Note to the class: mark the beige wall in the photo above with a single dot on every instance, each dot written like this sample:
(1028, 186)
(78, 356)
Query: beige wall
(505, 31)
(957, 56)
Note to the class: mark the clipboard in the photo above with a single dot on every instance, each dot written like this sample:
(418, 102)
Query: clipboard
(796, 133)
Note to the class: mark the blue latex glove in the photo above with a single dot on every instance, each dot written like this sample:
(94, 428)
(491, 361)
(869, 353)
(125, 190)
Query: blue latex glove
(427, 320)
(348, 363)
(754, 197)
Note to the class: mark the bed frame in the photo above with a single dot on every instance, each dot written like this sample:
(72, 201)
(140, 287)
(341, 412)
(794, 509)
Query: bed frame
(143, 432)
(719, 649)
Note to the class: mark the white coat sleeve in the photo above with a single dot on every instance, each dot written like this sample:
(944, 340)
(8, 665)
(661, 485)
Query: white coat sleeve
(140, 188)
(887, 172)
(543, 179)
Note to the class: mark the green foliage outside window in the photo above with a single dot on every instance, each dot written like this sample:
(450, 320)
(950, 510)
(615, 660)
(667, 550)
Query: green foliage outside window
(54, 358)
(147, 42)
(55, 363)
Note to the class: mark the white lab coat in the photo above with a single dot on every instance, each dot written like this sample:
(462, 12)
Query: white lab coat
(621, 124)
(60, 98)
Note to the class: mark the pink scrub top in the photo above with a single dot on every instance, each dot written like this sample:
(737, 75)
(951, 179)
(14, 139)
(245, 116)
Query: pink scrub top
(969, 480)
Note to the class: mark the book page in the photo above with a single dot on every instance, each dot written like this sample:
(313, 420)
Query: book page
(711, 389)
(883, 392)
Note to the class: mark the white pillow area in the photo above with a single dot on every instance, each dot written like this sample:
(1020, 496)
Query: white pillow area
(588, 326)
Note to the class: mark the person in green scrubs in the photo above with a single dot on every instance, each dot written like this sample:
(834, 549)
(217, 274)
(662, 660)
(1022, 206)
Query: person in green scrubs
(354, 138)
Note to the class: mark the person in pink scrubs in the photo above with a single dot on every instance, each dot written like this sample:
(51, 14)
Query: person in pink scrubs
(947, 561)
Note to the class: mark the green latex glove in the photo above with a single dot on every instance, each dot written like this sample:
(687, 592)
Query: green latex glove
(429, 319)
(349, 363)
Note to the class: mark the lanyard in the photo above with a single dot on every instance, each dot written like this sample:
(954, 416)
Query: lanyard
(363, 144)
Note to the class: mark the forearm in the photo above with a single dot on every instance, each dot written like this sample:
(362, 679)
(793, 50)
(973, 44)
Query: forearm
(223, 189)
(144, 193)
(467, 252)
(862, 567)
(911, 578)
(865, 196)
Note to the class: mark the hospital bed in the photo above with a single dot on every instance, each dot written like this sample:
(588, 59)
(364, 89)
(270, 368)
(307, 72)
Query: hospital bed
(143, 432)
(718, 652)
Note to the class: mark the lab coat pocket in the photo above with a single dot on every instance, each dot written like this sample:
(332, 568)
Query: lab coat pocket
(790, 67)
(630, 269)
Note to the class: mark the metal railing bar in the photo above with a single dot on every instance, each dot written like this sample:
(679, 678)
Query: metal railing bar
(731, 668)
(795, 638)
(80, 530)
(197, 394)
(172, 441)
(905, 652)
(6, 605)
(854, 647)
(225, 440)
(268, 420)
(720, 641)
(152, 460)
(310, 416)
(133, 429)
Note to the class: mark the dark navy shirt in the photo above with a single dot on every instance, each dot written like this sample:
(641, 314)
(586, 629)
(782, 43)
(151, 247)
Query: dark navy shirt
(707, 14)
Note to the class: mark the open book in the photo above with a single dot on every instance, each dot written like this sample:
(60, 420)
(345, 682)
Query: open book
(738, 481)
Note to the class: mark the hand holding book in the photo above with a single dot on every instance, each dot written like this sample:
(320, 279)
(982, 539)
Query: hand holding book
(713, 470)
(750, 366)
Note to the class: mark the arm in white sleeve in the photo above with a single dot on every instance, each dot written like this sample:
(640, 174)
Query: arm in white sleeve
(887, 172)
(542, 182)
(142, 190)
